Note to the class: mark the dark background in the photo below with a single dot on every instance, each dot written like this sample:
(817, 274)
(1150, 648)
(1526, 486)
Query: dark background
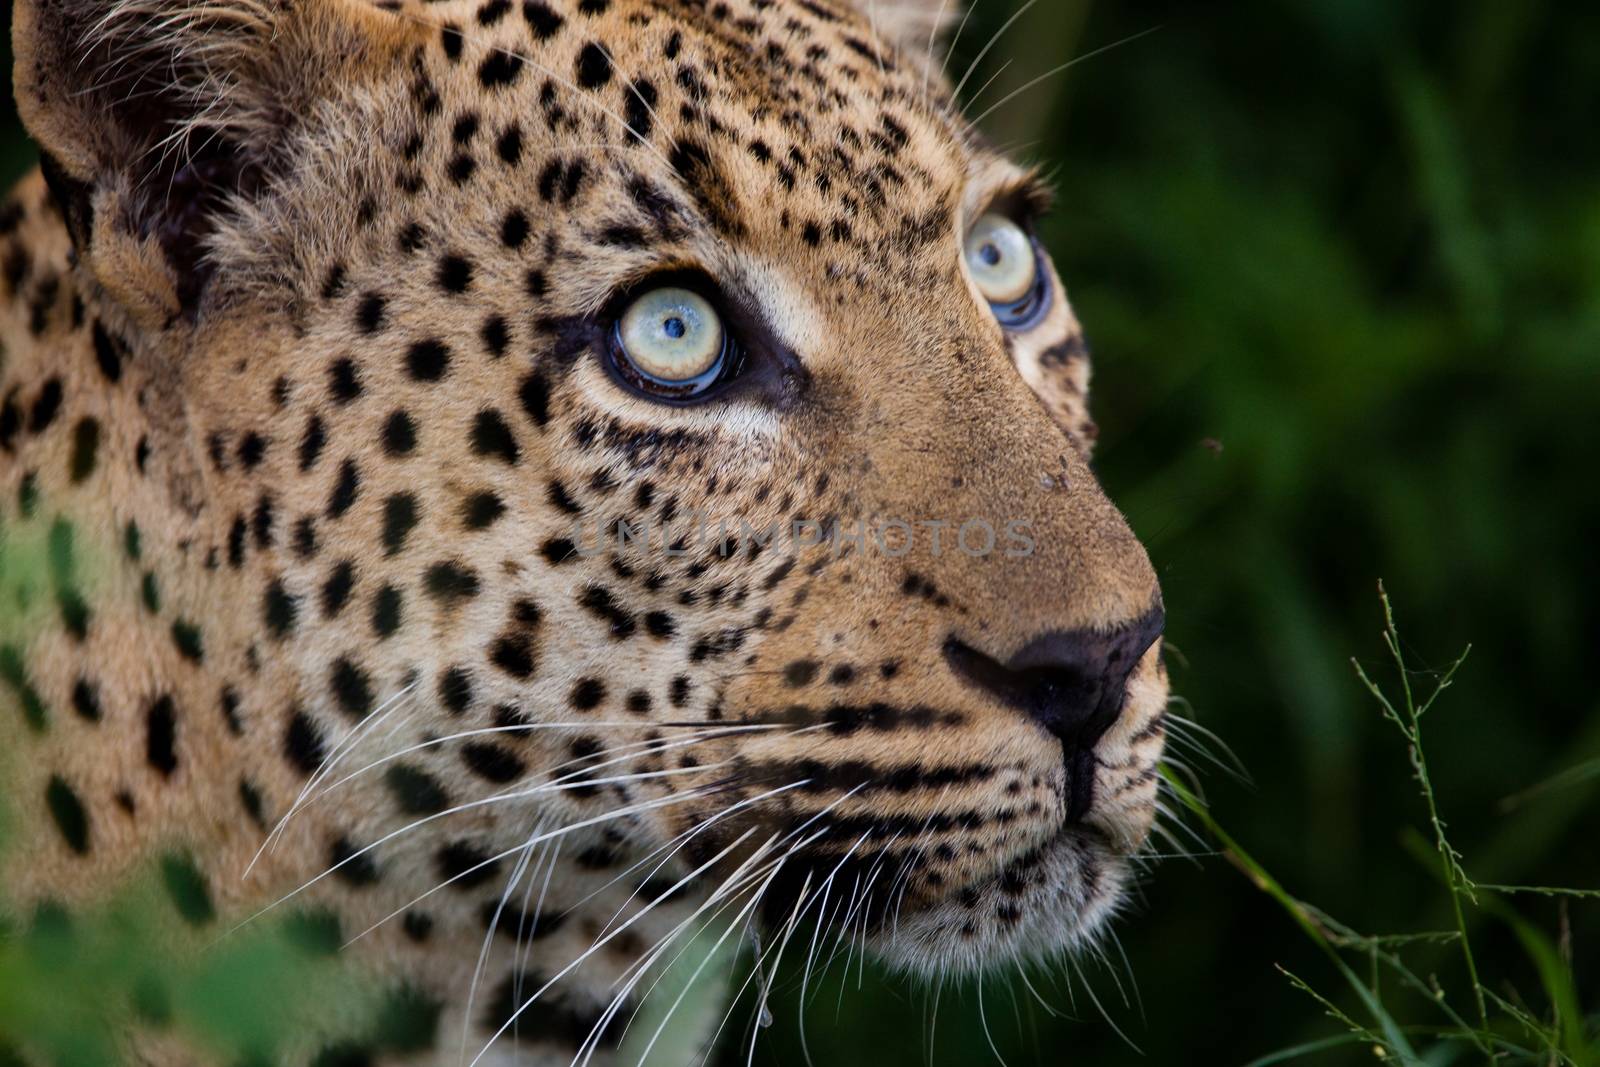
(1339, 263)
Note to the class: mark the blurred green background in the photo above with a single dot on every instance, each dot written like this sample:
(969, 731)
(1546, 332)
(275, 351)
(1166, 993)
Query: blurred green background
(1340, 266)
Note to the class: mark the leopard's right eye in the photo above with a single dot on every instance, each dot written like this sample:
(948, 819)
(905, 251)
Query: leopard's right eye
(670, 343)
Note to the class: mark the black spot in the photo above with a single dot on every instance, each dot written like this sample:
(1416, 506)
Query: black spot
(481, 510)
(417, 926)
(491, 436)
(594, 66)
(496, 336)
(186, 635)
(45, 406)
(67, 811)
(535, 396)
(598, 601)
(305, 537)
(188, 890)
(514, 228)
(345, 490)
(86, 700)
(161, 736)
(311, 444)
(455, 689)
(230, 711)
(450, 41)
(351, 865)
(352, 688)
(465, 128)
(250, 798)
(451, 581)
(74, 612)
(454, 274)
(427, 361)
(336, 590)
(562, 500)
(843, 674)
(415, 792)
(107, 353)
(639, 108)
(461, 168)
(493, 11)
(500, 69)
(399, 434)
(597, 858)
(261, 521)
(551, 1021)
(412, 238)
(400, 517)
(302, 743)
(508, 146)
(587, 694)
(370, 312)
(492, 762)
(85, 448)
(279, 609)
(679, 694)
(558, 550)
(343, 1054)
(150, 592)
(513, 653)
(465, 866)
(800, 672)
(344, 382)
(660, 624)
(236, 536)
(386, 611)
(544, 22)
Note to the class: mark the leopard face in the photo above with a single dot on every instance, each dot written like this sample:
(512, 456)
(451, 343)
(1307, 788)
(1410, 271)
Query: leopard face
(652, 421)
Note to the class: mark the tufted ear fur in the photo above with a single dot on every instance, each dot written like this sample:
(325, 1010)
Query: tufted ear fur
(156, 116)
(912, 26)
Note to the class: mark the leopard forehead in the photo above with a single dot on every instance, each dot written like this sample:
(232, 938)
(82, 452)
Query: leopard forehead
(325, 388)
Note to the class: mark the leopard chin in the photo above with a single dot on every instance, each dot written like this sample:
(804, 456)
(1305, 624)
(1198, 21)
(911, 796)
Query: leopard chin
(1051, 901)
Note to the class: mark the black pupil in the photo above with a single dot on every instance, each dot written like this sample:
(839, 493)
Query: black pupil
(990, 254)
(674, 328)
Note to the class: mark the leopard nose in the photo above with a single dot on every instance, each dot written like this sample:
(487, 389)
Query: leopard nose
(1071, 682)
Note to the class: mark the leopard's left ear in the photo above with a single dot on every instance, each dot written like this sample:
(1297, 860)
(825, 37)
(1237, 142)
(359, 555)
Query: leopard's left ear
(157, 117)
(913, 27)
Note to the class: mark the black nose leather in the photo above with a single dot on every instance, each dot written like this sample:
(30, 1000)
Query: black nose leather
(1072, 682)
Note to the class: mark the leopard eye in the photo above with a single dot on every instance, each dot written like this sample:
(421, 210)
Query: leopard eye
(1005, 264)
(670, 342)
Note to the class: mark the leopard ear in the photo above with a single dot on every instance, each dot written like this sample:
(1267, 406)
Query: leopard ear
(913, 27)
(156, 117)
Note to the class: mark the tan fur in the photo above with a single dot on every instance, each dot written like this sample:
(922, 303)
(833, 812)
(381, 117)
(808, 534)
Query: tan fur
(799, 155)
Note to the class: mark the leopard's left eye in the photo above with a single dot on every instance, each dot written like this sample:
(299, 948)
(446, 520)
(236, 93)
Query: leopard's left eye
(1006, 266)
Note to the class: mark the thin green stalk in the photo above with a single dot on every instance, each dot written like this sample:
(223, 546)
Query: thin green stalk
(1410, 725)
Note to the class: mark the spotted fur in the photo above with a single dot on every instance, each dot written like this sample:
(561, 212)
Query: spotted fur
(303, 399)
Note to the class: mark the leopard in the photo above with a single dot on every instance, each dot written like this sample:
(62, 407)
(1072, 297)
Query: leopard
(514, 482)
